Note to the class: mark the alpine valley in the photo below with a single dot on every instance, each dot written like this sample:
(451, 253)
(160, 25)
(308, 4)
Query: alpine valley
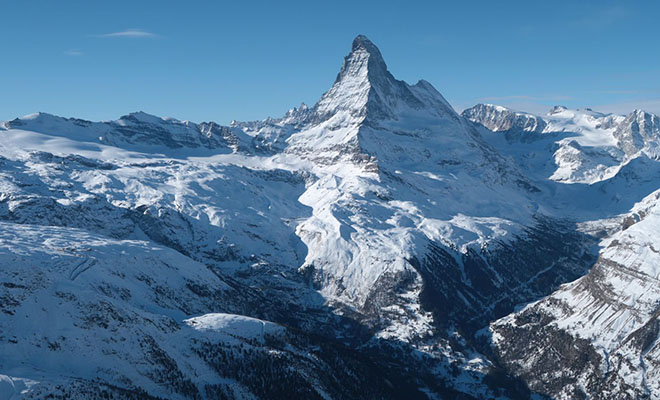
(376, 245)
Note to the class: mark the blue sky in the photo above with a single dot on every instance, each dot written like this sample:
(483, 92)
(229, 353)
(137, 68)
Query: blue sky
(246, 60)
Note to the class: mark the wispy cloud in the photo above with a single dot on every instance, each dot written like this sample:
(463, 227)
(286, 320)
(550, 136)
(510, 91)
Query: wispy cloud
(523, 102)
(619, 91)
(525, 97)
(524, 105)
(73, 53)
(130, 34)
(540, 106)
(601, 17)
(649, 104)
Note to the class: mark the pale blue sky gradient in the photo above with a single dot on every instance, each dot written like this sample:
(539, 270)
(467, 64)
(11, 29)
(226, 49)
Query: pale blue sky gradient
(248, 60)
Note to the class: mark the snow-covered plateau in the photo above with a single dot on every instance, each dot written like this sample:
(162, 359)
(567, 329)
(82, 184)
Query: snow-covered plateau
(375, 245)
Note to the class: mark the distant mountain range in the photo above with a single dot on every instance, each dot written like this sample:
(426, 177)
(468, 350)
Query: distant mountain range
(375, 245)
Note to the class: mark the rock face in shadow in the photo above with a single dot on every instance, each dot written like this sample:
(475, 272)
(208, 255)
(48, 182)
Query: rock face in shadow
(516, 126)
(469, 290)
(597, 337)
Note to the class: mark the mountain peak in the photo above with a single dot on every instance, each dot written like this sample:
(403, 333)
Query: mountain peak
(557, 109)
(361, 40)
(516, 125)
(362, 43)
(364, 62)
(638, 113)
(141, 117)
(365, 86)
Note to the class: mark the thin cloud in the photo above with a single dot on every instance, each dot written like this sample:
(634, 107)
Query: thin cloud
(533, 106)
(505, 98)
(601, 17)
(538, 105)
(639, 93)
(130, 34)
(522, 105)
(73, 53)
(651, 105)
(617, 91)
(525, 98)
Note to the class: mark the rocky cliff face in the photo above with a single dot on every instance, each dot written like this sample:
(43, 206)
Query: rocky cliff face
(515, 125)
(597, 337)
(640, 131)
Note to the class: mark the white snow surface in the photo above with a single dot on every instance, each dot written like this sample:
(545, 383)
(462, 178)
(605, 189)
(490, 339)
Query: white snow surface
(573, 146)
(236, 325)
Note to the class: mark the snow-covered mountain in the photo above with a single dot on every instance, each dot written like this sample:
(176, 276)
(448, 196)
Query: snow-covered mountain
(603, 329)
(596, 337)
(587, 146)
(357, 248)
